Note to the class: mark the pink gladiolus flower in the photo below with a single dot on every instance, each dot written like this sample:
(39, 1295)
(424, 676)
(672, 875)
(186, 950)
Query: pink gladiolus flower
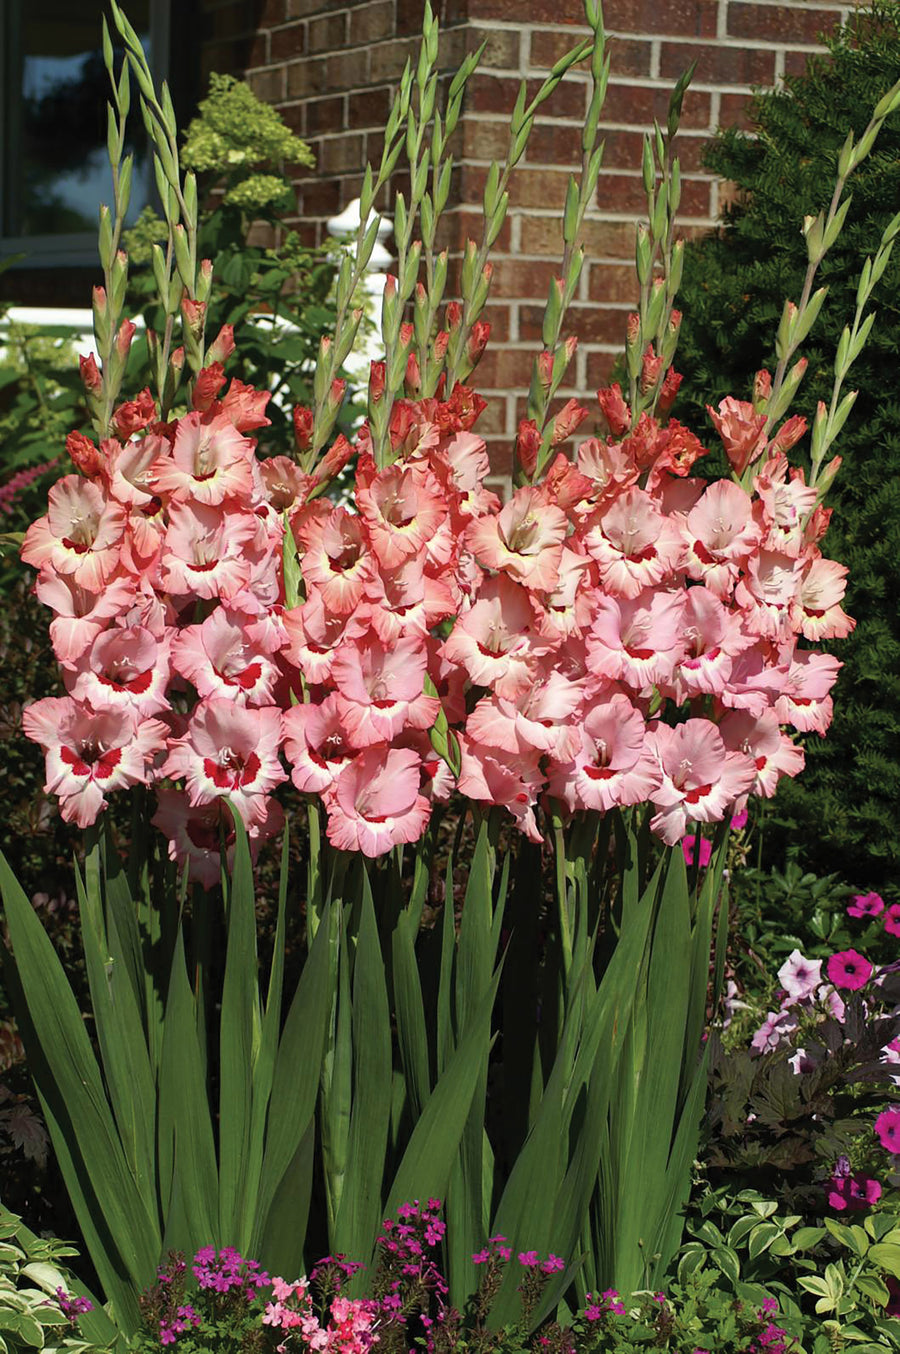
(804, 702)
(125, 668)
(542, 718)
(229, 750)
(245, 407)
(317, 744)
(700, 777)
(800, 977)
(887, 1127)
(720, 534)
(81, 614)
(714, 636)
(772, 752)
(614, 765)
(741, 431)
(892, 920)
(637, 641)
(402, 509)
(635, 546)
(209, 462)
(195, 834)
(767, 590)
(492, 776)
(90, 754)
(816, 611)
(205, 550)
(524, 541)
(81, 534)
(336, 558)
(849, 969)
(227, 656)
(375, 802)
(382, 689)
(314, 635)
(495, 641)
(865, 905)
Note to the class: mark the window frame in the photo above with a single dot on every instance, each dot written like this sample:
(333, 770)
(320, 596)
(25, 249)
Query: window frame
(76, 249)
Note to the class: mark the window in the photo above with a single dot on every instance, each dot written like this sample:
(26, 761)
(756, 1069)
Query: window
(54, 87)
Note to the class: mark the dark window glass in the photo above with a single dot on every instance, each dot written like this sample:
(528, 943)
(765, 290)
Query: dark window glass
(55, 86)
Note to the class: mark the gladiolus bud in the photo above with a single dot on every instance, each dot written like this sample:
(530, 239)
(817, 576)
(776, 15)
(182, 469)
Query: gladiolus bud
(669, 391)
(651, 366)
(413, 379)
(762, 389)
(334, 460)
(789, 433)
(335, 397)
(84, 454)
(570, 345)
(376, 381)
(123, 338)
(134, 415)
(207, 386)
(528, 444)
(90, 374)
(454, 315)
(176, 360)
(100, 304)
(633, 328)
(481, 332)
(222, 345)
(193, 313)
(614, 409)
(569, 418)
(439, 347)
(303, 427)
(545, 368)
(204, 280)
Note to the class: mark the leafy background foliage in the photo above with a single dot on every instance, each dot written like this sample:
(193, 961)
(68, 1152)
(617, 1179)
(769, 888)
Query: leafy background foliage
(843, 808)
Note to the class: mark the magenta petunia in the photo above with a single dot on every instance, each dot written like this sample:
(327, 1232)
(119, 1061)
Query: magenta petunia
(849, 969)
(892, 920)
(865, 905)
(853, 1193)
(689, 846)
(887, 1128)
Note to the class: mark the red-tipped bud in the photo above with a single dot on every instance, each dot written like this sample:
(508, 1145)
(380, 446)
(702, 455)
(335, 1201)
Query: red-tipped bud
(335, 397)
(569, 418)
(90, 374)
(100, 300)
(762, 389)
(545, 368)
(487, 272)
(84, 454)
(570, 344)
(406, 334)
(176, 360)
(789, 433)
(528, 444)
(207, 386)
(134, 415)
(481, 332)
(633, 328)
(303, 427)
(668, 392)
(651, 367)
(376, 381)
(123, 338)
(674, 321)
(222, 345)
(614, 409)
(334, 460)
(413, 379)
(193, 313)
(206, 270)
(454, 315)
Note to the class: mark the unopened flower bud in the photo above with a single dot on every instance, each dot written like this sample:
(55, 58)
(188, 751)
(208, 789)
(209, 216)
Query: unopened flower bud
(614, 409)
(569, 418)
(123, 338)
(481, 332)
(100, 303)
(90, 374)
(454, 315)
(413, 379)
(303, 427)
(222, 345)
(762, 389)
(334, 460)
(545, 368)
(439, 347)
(176, 360)
(83, 454)
(528, 444)
(193, 313)
(406, 334)
(335, 397)
(376, 381)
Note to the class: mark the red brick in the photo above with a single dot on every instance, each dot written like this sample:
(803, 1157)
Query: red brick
(505, 368)
(609, 282)
(294, 117)
(718, 65)
(600, 368)
(693, 18)
(502, 50)
(734, 111)
(780, 23)
(555, 144)
(256, 50)
(324, 115)
(493, 419)
(273, 12)
(411, 12)
(624, 150)
(320, 198)
(302, 9)
(795, 63)
(592, 324)
(629, 55)
(372, 23)
(389, 58)
(267, 85)
(340, 154)
(485, 139)
(625, 193)
(286, 44)
(640, 104)
(497, 94)
(327, 34)
(369, 108)
(500, 456)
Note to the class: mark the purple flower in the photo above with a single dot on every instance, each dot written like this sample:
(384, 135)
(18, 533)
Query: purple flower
(892, 920)
(887, 1127)
(849, 969)
(865, 905)
(774, 1031)
(688, 846)
(481, 1257)
(554, 1264)
(72, 1306)
(528, 1258)
(770, 1305)
(800, 977)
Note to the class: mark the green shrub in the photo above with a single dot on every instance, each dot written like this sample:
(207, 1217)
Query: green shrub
(843, 808)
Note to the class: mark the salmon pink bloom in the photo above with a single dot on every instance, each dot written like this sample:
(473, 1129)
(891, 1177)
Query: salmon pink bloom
(195, 834)
(513, 780)
(756, 681)
(128, 469)
(245, 407)
(229, 751)
(126, 668)
(613, 766)
(405, 601)
(461, 464)
(637, 641)
(525, 540)
(314, 635)
(403, 509)
(209, 462)
(375, 802)
(767, 590)
(543, 718)
(634, 545)
(741, 431)
(804, 701)
(714, 636)
(784, 504)
(205, 550)
(81, 534)
(495, 641)
(849, 970)
(701, 779)
(226, 655)
(90, 754)
(567, 609)
(336, 558)
(81, 614)
(772, 752)
(816, 612)
(720, 533)
(316, 744)
(382, 689)
(610, 471)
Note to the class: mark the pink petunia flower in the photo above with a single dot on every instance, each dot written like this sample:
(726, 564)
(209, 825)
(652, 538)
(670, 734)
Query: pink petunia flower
(849, 969)
(887, 1128)
(892, 920)
(800, 977)
(689, 849)
(865, 905)
(853, 1193)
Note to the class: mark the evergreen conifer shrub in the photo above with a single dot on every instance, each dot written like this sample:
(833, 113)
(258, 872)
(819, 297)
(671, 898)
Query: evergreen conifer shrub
(843, 812)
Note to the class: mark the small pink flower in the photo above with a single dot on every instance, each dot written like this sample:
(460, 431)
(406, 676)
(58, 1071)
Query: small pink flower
(853, 1193)
(887, 1128)
(892, 920)
(849, 969)
(689, 846)
(865, 905)
(800, 977)
(739, 821)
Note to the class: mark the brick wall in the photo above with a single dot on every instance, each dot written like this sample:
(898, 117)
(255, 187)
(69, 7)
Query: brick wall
(330, 66)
